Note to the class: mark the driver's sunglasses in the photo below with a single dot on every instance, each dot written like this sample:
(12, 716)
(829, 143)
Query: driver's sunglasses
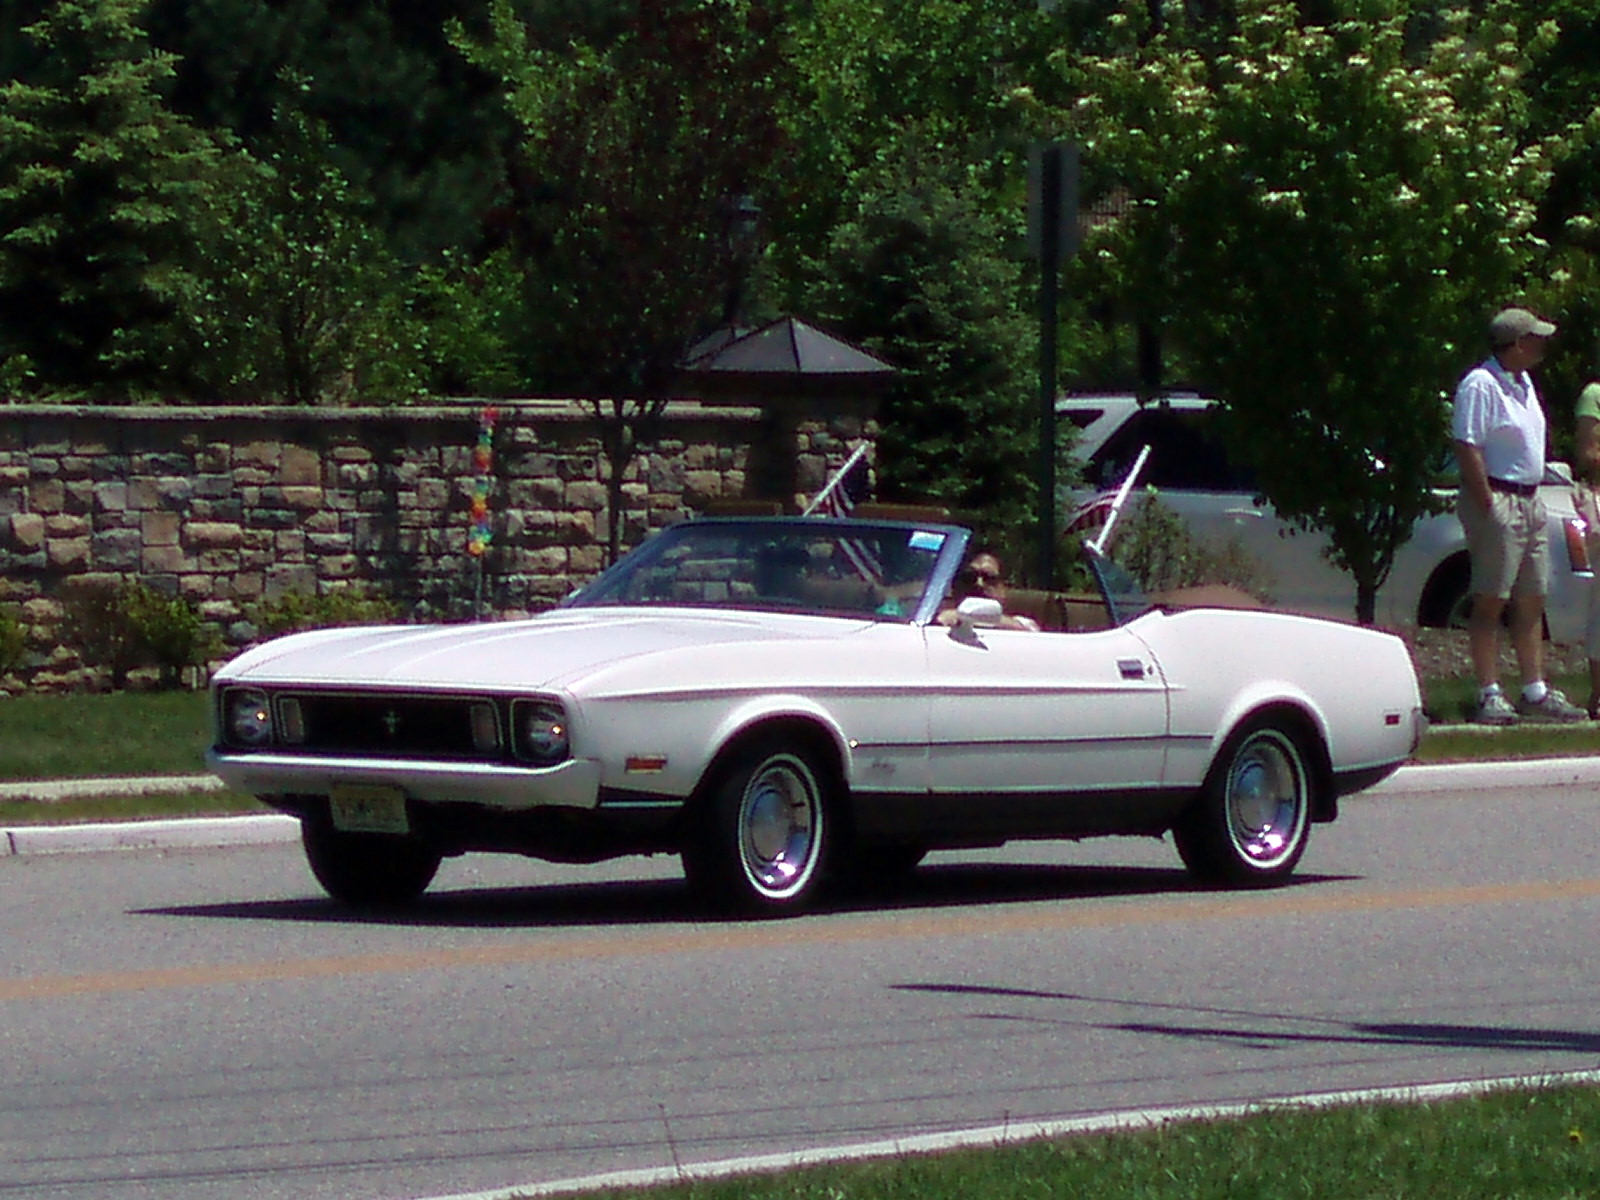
(977, 575)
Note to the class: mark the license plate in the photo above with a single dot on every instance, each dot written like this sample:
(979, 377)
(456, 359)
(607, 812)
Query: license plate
(368, 808)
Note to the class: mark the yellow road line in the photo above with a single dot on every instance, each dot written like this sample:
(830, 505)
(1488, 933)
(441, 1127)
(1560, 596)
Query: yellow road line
(1064, 915)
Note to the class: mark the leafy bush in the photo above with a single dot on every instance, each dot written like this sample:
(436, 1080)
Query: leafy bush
(305, 304)
(467, 318)
(13, 642)
(1156, 547)
(295, 611)
(170, 633)
(119, 626)
(96, 622)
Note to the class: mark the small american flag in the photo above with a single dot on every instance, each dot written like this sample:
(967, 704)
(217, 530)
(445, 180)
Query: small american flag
(851, 485)
(1091, 514)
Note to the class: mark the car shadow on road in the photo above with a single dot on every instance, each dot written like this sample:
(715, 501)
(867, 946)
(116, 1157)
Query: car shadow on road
(669, 901)
(1250, 1028)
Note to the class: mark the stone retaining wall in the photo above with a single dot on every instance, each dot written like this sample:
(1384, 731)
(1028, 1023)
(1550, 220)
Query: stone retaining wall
(225, 506)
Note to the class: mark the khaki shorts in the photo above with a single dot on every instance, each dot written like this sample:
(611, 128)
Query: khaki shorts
(1509, 546)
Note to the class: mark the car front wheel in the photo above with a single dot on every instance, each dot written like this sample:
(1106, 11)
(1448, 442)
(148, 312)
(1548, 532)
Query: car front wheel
(1249, 826)
(367, 869)
(759, 842)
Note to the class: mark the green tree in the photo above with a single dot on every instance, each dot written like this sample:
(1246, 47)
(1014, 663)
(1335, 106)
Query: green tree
(919, 115)
(410, 123)
(1325, 215)
(1563, 86)
(630, 152)
(969, 76)
(304, 301)
(468, 320)
(917, 272)
(99, 184)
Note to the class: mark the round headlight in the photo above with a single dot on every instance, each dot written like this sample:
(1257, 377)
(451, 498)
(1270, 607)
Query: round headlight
(249, 718)
(541, 733)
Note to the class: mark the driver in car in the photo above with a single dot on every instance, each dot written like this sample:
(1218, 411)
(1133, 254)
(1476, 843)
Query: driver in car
(983, 576)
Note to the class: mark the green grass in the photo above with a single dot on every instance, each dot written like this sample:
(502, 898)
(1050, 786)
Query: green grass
(1450, 702)
(1454, 700)
(127, 808)
(1476, 743)
(1529, 1144)
(48, 736)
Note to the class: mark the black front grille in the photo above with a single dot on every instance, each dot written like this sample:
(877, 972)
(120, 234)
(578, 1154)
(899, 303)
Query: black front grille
(403, 726)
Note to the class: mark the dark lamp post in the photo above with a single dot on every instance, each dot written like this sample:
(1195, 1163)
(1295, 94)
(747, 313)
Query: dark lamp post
(741, 229)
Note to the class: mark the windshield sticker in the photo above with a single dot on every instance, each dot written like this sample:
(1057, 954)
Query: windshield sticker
(926, 539)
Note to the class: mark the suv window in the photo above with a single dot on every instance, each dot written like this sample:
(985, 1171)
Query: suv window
(1185, 453)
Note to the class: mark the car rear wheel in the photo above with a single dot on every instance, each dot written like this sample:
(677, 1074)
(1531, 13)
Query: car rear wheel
(762, 832)
(1447, 598)
(1250, 825)
(367, 869)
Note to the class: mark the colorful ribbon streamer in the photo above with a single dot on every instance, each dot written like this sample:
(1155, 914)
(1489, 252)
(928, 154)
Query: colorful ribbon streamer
(479, 537)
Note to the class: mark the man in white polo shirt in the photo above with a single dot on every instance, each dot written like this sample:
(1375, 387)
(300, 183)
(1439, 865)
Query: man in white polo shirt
(1499, 429)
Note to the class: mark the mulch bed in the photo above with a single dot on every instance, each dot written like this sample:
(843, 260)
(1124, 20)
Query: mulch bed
(1442, 654)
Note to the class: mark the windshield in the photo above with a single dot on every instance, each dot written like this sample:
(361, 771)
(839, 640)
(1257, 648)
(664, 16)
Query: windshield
(822, 566)
(1123, 596)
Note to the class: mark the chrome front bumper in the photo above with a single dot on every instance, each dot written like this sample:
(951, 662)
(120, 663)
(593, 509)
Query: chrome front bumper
(573, 784)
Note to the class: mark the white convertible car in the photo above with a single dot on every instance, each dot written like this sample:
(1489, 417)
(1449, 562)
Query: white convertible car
(778, 701)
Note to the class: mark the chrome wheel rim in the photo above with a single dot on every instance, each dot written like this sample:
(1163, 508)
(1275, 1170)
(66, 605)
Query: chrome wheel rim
(780, 827)
(1266, 800)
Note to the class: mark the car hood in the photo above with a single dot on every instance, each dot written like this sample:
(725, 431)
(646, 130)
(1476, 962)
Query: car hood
(554, 650)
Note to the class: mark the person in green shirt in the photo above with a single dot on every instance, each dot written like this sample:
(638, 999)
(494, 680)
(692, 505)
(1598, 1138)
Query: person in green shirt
(1588, 471)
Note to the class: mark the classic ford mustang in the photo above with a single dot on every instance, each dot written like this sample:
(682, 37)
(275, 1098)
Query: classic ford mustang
(782, 701)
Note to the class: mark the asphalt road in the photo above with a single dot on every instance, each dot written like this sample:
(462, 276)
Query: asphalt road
(201, 1023)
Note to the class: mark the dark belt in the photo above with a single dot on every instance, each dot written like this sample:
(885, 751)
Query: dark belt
(1525, 490)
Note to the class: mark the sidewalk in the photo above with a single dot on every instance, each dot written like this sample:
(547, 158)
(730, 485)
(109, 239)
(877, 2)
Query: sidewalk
(140, 785)
(162, 834)
(271, 828)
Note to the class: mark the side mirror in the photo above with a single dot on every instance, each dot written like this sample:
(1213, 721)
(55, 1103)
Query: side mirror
(978, 612)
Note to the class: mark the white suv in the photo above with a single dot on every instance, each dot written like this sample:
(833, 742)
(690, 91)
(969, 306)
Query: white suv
(1193, 476)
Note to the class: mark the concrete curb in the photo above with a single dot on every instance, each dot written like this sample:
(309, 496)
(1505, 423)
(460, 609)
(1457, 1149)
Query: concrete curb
(176, 834)
(274, 828)
(1450, 777)
(164, 834)
(140, 785)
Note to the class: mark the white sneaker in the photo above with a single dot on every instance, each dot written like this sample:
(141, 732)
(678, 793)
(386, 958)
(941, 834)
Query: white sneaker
(1554, 707)
(1495, 709)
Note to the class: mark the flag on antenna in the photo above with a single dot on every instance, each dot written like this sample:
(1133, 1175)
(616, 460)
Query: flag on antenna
(850, 485)
(1090, 517)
